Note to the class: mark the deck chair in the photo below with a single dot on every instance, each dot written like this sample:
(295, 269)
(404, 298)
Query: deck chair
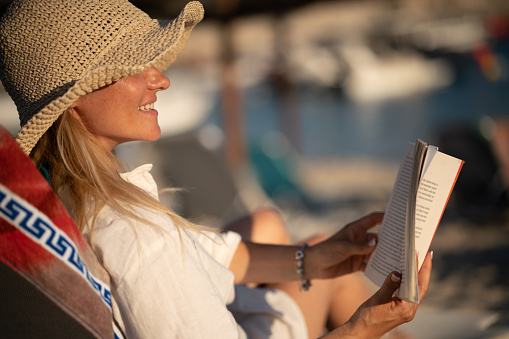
(51, 283)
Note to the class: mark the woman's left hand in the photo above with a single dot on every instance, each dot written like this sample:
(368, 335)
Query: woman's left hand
(345, 252)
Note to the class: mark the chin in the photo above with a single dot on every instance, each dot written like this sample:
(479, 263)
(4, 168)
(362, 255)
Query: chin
(154, 136)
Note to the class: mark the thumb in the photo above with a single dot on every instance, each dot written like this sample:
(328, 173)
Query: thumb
(390, 285)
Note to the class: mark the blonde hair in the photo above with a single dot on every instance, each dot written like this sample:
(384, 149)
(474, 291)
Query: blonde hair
(86, 175)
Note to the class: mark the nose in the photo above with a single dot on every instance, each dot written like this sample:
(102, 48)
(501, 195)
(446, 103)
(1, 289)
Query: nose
(156, 80)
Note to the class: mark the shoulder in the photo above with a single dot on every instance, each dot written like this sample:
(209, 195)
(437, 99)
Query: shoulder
(221, 247)
(123, 243)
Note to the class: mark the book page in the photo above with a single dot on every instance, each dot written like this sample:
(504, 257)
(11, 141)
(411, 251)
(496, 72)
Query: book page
(387, 255)
(435, 188)
(438, 177)
(408, 289)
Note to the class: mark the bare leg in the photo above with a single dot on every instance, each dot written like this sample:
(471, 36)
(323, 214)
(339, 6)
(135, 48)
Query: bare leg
(264, 226)
(328, 302)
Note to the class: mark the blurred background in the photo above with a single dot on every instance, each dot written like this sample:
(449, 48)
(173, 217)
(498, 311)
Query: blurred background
(307, 106)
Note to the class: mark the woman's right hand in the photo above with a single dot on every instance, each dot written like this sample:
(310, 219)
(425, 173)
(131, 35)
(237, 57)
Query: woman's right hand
(383, 312)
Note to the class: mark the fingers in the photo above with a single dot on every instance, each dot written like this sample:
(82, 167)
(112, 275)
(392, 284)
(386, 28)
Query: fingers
(359, 248)
(368, 221)
(390, 285)
(425, 275)
(370, 237)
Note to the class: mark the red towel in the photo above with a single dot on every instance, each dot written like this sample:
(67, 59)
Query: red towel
(51, 280)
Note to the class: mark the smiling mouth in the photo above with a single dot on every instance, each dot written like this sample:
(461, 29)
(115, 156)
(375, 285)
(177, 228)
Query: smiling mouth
(147, 107)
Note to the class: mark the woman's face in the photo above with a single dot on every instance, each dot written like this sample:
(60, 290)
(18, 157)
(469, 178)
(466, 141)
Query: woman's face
(123, 111)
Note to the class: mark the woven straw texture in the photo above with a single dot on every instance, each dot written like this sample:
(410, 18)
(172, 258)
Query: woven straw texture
(54, 51)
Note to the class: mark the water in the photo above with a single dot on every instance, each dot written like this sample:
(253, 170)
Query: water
(328, 124)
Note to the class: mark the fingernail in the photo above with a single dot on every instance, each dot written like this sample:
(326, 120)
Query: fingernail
(396, 277)
(372, 242)
(431, 255)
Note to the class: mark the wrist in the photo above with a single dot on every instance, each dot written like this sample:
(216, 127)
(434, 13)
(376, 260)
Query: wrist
(310, 263)
(300, 268)
(345, 331)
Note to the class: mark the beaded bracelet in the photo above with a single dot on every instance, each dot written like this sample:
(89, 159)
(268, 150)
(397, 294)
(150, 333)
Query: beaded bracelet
(299, 264)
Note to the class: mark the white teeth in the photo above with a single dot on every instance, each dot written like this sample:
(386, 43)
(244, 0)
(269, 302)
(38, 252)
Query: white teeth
(146, 107)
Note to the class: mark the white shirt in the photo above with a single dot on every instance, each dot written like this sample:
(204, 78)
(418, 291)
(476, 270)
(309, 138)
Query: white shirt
(167, 284)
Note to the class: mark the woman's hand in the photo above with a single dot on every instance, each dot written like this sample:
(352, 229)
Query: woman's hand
(343, 253)
(383, 312)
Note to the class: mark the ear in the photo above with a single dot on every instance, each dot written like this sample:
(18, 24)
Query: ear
(73, 111)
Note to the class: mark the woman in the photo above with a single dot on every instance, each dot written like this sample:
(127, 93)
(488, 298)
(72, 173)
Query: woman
(84, 76)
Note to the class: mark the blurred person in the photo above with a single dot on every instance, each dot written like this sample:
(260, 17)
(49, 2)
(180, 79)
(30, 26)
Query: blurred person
(84, 76)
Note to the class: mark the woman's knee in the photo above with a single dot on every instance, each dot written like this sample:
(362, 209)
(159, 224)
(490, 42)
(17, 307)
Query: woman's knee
(269, 227)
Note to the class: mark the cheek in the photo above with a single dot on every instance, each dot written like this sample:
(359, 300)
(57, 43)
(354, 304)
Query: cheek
(93, 118)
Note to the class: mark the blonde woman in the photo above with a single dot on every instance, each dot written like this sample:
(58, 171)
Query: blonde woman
(84, 76)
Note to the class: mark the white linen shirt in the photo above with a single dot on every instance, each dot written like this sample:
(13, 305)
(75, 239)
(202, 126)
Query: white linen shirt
(166, 284)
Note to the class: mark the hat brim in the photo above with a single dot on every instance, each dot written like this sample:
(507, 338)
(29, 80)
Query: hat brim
(162, 42)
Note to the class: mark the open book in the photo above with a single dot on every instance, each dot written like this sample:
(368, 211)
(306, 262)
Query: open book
(423, 186)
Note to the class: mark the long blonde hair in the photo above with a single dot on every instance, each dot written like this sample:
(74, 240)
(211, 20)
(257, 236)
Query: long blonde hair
(87, 175)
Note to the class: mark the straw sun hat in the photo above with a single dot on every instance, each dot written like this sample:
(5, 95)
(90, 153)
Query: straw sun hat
(54, 51)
